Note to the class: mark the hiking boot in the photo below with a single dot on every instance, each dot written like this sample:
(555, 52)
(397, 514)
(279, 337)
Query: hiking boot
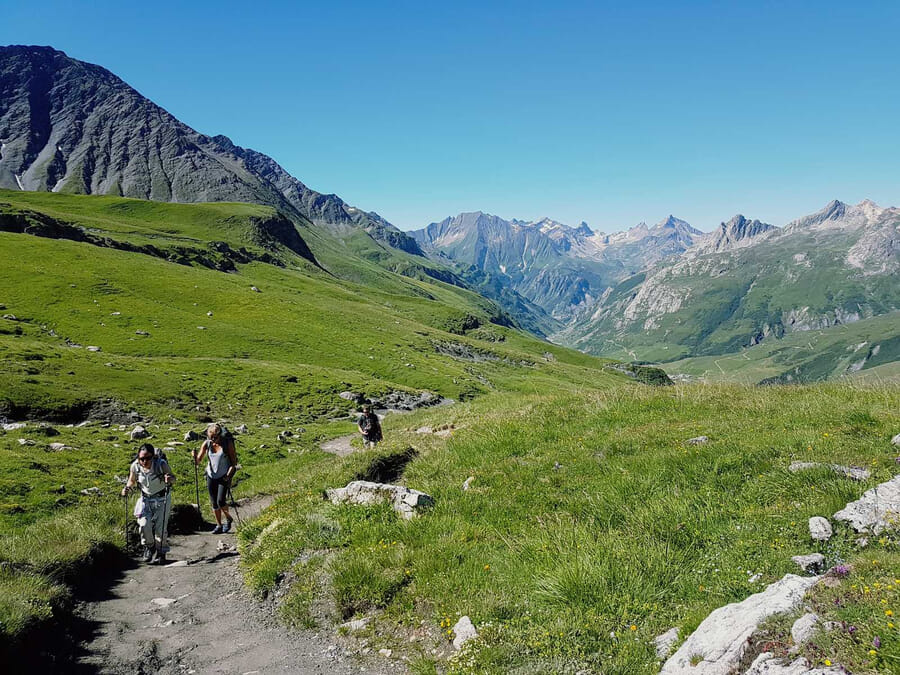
(154, 557)
(161, 558)
(217, 529)
(148, 553)
(226, 528)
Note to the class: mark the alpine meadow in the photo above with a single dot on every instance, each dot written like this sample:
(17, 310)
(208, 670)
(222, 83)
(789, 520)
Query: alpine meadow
(654, 450)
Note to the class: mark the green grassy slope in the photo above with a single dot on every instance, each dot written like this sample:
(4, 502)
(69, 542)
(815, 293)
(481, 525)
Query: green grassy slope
(590, 527)
(180, 343)
(851, 349)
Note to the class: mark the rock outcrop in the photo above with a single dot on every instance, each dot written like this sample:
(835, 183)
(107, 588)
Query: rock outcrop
(877, 510)
(719, 643)
(406, 502)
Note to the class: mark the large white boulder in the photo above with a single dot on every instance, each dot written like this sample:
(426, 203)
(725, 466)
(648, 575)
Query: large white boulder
(719, 642)
(405, 501)
(877, 510)
(804, 628)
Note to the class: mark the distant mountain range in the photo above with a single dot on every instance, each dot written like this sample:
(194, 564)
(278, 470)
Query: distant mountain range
(669, 291)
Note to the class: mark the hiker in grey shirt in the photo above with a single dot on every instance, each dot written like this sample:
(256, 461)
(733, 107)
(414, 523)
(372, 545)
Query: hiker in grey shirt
(154, 477)
(218, 448)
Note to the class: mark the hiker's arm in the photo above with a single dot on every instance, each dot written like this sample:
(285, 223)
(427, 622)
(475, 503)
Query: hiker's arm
(198, 456)
(168, 476)
(232, 459)
(130, 483)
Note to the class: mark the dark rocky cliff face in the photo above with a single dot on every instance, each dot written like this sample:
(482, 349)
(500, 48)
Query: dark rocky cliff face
(74, 127)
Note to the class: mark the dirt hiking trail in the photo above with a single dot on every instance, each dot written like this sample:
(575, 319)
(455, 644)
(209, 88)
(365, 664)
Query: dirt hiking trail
(193, 615)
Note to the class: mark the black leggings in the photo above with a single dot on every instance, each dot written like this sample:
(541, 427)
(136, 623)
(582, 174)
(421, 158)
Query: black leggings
(218, 491)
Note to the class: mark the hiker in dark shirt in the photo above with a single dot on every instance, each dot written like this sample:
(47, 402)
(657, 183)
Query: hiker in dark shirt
(369, 427)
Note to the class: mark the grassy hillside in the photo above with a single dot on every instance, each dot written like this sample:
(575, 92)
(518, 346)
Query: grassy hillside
(867, 349)
(590, 525)
(181, 341)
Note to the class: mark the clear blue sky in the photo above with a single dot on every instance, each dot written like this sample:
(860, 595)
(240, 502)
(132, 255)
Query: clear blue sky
(574, 110)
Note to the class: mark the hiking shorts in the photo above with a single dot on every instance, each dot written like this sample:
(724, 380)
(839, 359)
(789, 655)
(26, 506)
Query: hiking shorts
(218, 491)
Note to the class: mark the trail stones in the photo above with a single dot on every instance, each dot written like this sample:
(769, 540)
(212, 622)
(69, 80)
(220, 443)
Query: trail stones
(814, 562)
(163, 602)
(820, 528)
(848, 471)
(719, 643)
(464, 630)
(356, 624)
(697, 440)
(192, 436)
(877, 510)
(138, 433)
(424, 430)
(405, 501)
(663, 643)
(804, 628)
(386, 653)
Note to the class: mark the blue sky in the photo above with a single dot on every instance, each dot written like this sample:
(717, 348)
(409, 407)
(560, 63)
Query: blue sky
(574, 110)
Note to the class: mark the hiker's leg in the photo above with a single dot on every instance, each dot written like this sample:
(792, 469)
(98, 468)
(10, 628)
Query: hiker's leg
(223, 498)
(145, 527)
(212, 487)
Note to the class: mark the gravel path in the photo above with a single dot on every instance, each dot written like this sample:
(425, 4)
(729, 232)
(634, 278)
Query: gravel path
(194, 616)
(340, 446)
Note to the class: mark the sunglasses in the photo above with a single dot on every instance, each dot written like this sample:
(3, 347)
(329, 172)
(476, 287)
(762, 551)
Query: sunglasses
(145, 459)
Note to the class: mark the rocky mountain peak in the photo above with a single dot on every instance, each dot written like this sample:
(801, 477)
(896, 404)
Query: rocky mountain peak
(738, 232)
(837, 215)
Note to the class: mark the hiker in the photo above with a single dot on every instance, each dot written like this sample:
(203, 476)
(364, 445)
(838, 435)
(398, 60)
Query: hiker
(219, 449)
(369, 427)
(154, 477)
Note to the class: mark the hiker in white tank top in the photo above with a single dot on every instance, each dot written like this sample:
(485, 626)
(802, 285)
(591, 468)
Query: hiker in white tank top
(219, 449)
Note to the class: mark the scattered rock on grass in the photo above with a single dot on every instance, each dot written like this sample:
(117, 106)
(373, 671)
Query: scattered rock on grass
(93, 348)
(424, 430)
(814, 562)
(767, 664)
(192, 436)
(849, 471)
(59, 447)
(467, 483)
(804, 628)
(356, 624)
(697, 440)
(92, 492)
(719, 642)
(463, 631)
(255, 289)
(352, 396)
(820, 528)
(895, 440)
(138, 433)
(664, 642)
(405, 501)
(14, 426)
(877, 510)
(25, 441)
(241, 429)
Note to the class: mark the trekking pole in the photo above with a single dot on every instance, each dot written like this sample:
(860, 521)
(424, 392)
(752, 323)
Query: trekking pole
(197, 488)
(164, 534)
(125, 521)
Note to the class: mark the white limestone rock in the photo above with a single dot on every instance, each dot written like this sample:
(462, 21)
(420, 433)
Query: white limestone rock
(814, 562)
(852, 472)
(464, 630)
(877, 510)
(895, 440)
(138, 433)
(405, 501)
(804, 628)
(767, 664)
(719, 642)
(664, 642)
(697, 440)
(820, 528)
